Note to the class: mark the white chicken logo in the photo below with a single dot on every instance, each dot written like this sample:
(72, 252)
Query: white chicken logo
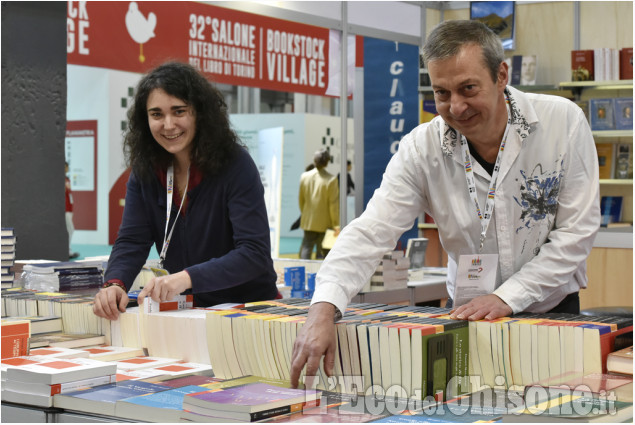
(140, 29)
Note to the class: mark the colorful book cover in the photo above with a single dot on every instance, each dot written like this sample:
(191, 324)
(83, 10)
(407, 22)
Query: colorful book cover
(624, 161)
(251, 398)
(611, 209)
(168, 404)
(623, 113)
(582, 66)
(602, 114)
(102, 399)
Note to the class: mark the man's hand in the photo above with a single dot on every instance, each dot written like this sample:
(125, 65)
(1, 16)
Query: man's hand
(109, 302)
(486, 306)
(165, 288)
(316, 338)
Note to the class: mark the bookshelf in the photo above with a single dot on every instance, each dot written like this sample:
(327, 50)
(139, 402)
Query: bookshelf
(610, 264)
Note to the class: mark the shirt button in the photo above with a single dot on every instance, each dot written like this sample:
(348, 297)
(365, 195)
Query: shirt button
(503, 228)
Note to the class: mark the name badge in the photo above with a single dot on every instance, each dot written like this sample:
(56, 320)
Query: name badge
(475, 276)
(158, 272)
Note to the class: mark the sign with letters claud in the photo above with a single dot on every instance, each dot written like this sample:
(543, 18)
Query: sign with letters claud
(229, 46)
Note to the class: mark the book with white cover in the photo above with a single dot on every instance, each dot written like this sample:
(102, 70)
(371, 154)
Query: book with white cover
(32, 399)
(31, 388)
(143, 362)
(57, 371)
(59, 352)
(110, 353)
(18, 362)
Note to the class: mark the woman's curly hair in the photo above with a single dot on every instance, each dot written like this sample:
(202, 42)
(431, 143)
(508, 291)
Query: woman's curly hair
(214, 143)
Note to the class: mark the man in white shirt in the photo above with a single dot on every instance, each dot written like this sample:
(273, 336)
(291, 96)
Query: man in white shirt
(505, 174)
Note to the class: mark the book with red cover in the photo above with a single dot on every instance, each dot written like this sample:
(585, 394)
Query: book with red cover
(582, 65)
(626, 63)
(15, 339)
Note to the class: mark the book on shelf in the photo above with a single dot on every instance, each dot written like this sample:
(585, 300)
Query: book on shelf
(606, 154)
(621, 361)
(162, 406)
(626, 63)
(584, 105)
(250, 402)
(528, 70)
(429, 110)
(517, 63)
(624, 161)
(601, 114)
(57, 371)
(102, 400)
(606, 64)
(623, 113)
(610, 209)
(582, 68)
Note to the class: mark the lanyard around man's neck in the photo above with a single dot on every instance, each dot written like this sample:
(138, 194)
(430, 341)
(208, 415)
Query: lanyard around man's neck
(486, 216)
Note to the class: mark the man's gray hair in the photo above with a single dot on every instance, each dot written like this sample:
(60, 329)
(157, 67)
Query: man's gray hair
(447, 39)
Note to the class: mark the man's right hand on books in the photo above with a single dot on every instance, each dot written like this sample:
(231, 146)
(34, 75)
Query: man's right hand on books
(316, 338)
(109, 302)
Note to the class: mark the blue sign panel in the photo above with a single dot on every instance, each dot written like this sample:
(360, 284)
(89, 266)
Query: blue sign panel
(391, 108)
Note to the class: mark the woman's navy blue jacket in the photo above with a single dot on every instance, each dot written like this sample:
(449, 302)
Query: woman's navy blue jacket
(222, 241)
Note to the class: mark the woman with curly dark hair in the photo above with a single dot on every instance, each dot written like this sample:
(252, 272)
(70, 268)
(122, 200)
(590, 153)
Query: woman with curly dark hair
(194, 192)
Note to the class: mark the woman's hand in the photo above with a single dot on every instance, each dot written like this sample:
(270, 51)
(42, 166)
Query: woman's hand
(165, 288)
(109, 302)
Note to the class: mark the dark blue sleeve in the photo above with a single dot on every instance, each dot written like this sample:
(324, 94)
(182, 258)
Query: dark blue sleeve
(250, 258)
(134, 239)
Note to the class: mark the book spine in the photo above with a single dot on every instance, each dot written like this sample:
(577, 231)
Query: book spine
(293, 408)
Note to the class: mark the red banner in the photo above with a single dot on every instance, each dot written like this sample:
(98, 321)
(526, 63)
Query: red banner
(228, 46)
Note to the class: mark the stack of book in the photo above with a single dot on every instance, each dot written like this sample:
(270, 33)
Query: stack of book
(76, 312)
(391, 273)
(37, 379)
(7, 256)
(529, 348)
(39, 324)
(64, 276)
(418, 349)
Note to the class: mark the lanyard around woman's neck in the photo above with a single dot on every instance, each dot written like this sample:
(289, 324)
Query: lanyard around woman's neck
(486, 216)
(169, 195)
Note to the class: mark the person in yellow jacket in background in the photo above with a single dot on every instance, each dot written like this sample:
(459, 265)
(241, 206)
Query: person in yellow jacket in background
(319, 205)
